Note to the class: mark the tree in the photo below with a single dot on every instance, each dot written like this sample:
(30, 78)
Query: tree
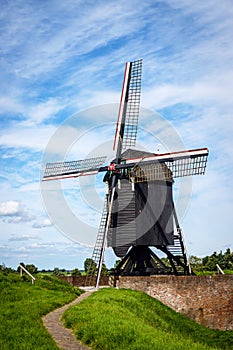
(76, 272)
(6, 270)
(166, 261)
(210, 262)
(228, 259)
(32, 268)
(3, 267)
(22, 264)
(224, 260)
(195, 263)
(57, 272)
(117, 262)
(90, 265)
(29, 267)
(104, 271)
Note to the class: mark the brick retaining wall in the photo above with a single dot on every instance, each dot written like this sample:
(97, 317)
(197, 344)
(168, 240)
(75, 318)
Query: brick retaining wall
(207, 300)
(80, 281)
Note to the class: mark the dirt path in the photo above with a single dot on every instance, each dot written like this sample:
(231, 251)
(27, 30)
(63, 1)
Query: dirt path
(64, 337)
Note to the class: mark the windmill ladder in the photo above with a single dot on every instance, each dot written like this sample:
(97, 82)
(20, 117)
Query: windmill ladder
(96, 255)
(177, 252)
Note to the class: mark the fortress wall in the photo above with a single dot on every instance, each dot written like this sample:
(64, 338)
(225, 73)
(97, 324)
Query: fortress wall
(80, 281)
(207, 300)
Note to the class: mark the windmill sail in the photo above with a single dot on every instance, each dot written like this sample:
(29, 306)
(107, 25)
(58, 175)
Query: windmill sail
(59, 170)
(168, 166)
(141, 164)
(127, 124)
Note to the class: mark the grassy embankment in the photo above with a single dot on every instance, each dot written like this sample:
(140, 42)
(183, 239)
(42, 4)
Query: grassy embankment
(21, 307)
(124, 319)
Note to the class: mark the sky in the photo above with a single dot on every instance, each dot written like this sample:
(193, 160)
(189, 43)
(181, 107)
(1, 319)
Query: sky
(62, 66)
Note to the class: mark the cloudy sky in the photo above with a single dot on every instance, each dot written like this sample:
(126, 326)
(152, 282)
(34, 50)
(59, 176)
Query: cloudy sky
(62, 67)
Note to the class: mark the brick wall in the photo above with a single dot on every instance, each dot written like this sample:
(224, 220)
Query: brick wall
(207, 300)
(80, 281)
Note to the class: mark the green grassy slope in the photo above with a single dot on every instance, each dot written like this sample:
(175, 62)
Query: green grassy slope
(21, 307)
(125, 319)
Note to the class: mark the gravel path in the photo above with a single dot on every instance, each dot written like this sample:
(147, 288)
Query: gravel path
(64, 337)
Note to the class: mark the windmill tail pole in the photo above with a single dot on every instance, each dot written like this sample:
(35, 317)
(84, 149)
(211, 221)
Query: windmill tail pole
(105, 239)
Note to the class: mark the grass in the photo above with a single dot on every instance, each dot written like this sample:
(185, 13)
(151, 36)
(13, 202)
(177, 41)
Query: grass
(212, 273)
(228, 272)
(22, 305)
(125, 319)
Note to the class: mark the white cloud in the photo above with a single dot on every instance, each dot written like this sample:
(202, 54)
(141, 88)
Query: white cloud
(199, 93)
(23, 237)
(10, 104)
(42, 223)
(10, 208)
(43, 111)
(34, 138)
(47, 254)
(14, 212)
(63, 32)
(29, 187)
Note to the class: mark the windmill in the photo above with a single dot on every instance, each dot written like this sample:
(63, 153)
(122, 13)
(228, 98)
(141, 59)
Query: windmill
(139, 211)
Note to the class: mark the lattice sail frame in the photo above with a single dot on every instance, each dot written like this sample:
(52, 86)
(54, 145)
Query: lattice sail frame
(133, 105)
(127, 123)
(63, 169)
(150, 172)
(169, 169)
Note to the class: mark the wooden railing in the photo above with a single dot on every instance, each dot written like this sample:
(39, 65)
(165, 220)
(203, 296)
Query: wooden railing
(219, 269)
(22, 268)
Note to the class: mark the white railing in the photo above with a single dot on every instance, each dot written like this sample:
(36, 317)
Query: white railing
(220, 270)
(22, 268)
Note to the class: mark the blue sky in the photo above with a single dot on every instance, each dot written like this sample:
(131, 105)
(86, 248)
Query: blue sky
(62, 67)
